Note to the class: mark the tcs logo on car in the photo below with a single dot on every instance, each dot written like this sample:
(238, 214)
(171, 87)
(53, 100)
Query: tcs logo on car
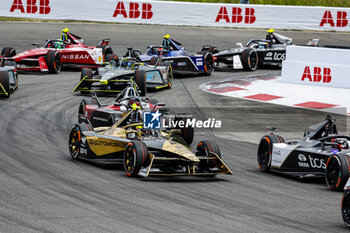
(236, 15)
(135, 11)
(31, 7)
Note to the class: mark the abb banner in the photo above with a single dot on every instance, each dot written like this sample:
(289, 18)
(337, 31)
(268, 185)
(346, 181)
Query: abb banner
(182, 13)
(319, 66)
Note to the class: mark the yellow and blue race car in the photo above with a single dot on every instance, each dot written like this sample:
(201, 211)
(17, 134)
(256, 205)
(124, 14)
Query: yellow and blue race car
(116, 75)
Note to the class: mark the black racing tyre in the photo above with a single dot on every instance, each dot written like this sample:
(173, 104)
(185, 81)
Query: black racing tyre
(111, 120)
(249, 59)
(5, 82)
(89, 73)
(82, 107)
(111, 57)
(8, 52)
(153, 61)
(345, 207)
(203, 149)
(208, 62)
(140, 79)
(170, 76)
(53, 61)
(74, 142)
(337, 171)
(136, 156)
(187, 133)
(265, 151)
(106, 49)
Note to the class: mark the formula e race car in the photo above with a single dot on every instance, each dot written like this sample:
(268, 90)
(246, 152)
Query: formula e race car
(8, 78)
(181, 61)
(322, 152)
(257, 53)
(146, 151)
(67, 51)
(115, 76)
(98, 115)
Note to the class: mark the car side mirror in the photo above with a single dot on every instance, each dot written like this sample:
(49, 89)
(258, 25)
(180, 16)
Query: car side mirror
(36, 44)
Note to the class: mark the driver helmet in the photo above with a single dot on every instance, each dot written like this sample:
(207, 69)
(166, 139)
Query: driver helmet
(160, 51)
(341, 143)
(134, 105)
(58, 44)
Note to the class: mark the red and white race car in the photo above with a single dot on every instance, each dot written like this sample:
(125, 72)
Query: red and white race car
(70, 51)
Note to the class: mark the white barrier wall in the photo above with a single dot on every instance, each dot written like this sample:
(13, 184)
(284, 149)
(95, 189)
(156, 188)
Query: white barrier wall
(182, 13)
(317, 66)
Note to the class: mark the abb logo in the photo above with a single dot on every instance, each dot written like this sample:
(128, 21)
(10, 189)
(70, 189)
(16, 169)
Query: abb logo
(341, 20)
(237, 16)
(317, 75)
(134, 10)
(32, 6)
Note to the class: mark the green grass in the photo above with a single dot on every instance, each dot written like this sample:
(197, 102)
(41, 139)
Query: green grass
(332, 3)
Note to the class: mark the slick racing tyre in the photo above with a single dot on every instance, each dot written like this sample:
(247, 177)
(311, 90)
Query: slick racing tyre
(111, 120)
(8, 52)
(82, 107)
(153, 61)
(249, 59)
(337, 171)
(208, 62)
(75, 139)
(140, 79)
(106, 49)
(53, 61)
(204, 148)
(5, 82)
(135, 157)
(187, 133)
(345, 207)
(170, 76)
(265, 151)
(87, 84)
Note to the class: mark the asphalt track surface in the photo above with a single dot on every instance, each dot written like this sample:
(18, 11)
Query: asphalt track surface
(43, 190)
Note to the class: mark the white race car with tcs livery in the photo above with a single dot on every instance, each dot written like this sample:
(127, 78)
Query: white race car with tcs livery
(322, 152)
(270, 51)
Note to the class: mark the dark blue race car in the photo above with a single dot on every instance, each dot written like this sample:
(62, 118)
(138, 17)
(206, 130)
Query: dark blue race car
(182, 61)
